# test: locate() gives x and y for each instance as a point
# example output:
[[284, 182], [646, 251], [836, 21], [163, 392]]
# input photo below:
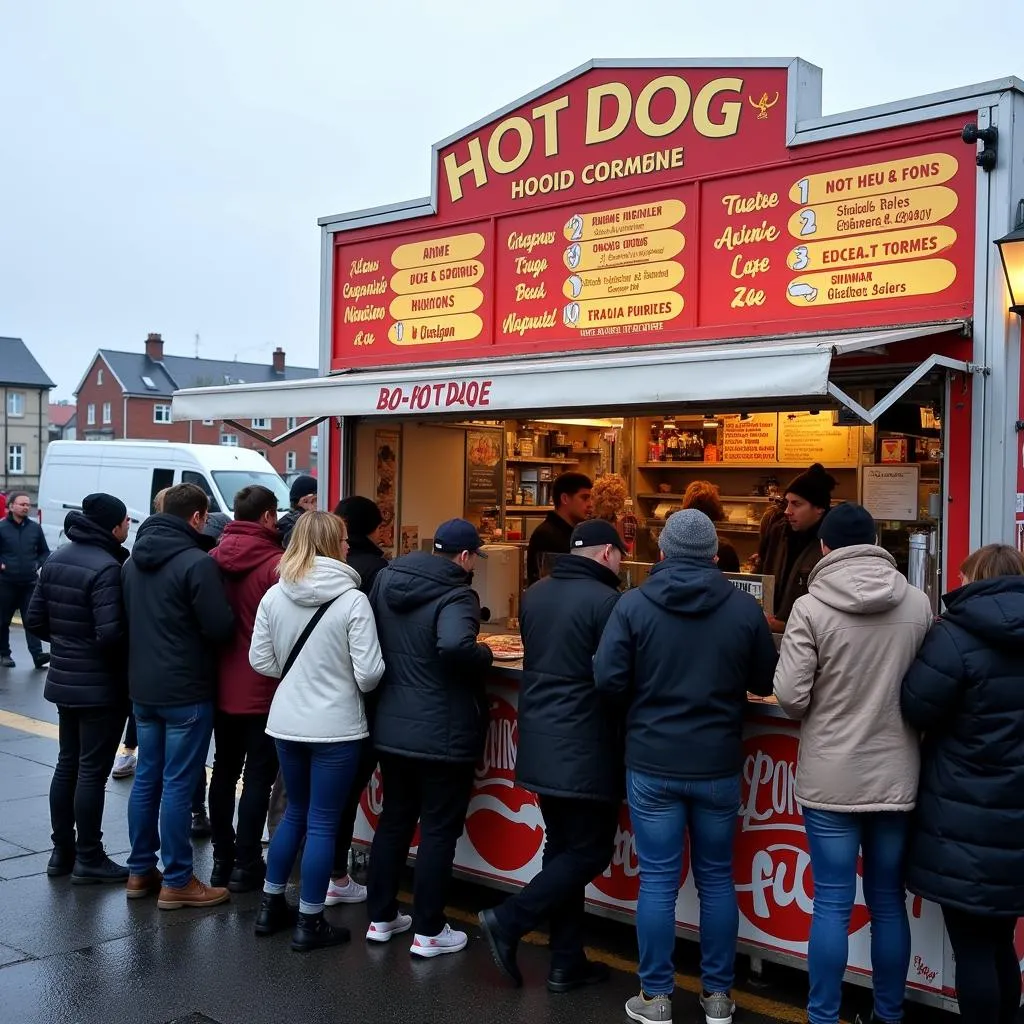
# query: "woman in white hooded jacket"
[[317, 716]]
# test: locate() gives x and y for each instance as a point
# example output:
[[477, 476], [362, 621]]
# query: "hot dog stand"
[[673, 272]]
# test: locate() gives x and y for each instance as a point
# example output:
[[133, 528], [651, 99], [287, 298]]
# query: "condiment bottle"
[[628, 526]]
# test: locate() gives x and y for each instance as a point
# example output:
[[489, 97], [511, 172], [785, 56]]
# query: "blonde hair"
[[703, 496], [992, 560], [315, 533]]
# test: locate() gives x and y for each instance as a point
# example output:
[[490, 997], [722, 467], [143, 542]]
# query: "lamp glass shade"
[[1011, 252]]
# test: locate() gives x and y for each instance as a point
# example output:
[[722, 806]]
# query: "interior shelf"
[[523, 461], [722, 497], [769, 467]]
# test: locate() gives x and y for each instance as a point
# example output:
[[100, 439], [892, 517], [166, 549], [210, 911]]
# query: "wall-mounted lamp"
[[1011, 252], [989, 139]]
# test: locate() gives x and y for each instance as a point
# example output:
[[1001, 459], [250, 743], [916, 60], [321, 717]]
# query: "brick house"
[[24, 417], [128, 395], [63, 416]]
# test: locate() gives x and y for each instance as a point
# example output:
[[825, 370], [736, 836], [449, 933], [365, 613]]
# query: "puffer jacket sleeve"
[[765, 658], [933, 684], [613, 663], [458, 625], [262, 656], [108, 607], [210, 602], [798, 662], [363, 646], [38, 621], [42, 548]]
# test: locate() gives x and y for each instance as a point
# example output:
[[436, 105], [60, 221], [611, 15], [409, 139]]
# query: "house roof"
[[177, 372], [61, 415], [19, 366]]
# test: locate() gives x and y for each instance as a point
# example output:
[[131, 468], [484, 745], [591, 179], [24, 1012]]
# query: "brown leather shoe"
[[140, 886], [195, 894]]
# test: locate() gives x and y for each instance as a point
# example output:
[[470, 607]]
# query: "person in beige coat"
[[848, 643]]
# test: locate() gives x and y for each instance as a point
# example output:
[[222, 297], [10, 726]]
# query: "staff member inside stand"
[[792, 548], [571, 497]]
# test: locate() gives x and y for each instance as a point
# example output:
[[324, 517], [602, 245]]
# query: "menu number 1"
[[808, 222]]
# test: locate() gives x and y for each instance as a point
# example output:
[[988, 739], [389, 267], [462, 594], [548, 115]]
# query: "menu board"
[[753, 438], [590, 271], [806, 437], [891, 492], [483, 468]]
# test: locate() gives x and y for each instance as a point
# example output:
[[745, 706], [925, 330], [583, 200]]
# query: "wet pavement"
[[79, 955]]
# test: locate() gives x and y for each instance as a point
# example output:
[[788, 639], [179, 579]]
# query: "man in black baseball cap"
[[569, 754], [429, 730]]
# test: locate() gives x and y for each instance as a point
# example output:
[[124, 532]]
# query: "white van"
[[135, 471]]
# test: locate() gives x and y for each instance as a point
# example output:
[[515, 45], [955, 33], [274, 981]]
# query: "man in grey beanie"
[[680, 653]]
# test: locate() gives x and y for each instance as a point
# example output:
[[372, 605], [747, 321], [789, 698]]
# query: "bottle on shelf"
[[671, 444], [655, 448], [628, 526]]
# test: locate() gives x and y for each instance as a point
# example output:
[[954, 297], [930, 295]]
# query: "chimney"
[[279, 360], [155, 347]]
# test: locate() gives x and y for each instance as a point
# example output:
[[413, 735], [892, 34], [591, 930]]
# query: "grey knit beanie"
[[689, 534]]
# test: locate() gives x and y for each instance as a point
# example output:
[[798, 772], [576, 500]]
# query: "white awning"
[[752, 370]]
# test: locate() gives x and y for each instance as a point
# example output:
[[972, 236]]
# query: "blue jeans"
[[662, 811], [317, 779], [173, 744], [834, 841]]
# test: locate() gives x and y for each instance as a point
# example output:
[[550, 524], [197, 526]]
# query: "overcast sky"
[[164, 164]]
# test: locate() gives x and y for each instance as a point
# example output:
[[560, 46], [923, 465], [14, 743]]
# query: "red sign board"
[[657, 206]]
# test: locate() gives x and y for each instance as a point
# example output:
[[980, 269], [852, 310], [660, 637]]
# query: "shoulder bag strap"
[[305, 635]]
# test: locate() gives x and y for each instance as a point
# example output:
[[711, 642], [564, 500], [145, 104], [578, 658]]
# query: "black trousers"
[[435, 793], [343, 837], [987, 971], [243, 751], [88, 740], [579, 842], [14, 597]]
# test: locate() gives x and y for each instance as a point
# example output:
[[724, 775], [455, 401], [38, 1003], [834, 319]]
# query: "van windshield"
[[230, 482]]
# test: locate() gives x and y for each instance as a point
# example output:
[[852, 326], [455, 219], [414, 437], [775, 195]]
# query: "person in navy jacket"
[[23, 549]]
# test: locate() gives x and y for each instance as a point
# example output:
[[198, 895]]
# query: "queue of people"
[[319, 659]]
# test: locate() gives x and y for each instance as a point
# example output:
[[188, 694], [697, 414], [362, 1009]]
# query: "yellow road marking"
[[782, 1012]]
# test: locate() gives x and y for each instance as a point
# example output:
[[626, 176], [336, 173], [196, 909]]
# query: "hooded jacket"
[[965, 692], [681, 651], [367, 559], [286, 524], [847, 645], [777, 545], [178, 614], [320, 700], [248, 556], [569, 735], [77, 608], [432, 703], [23, 549]]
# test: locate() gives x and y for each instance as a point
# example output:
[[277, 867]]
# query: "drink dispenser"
[[920, 563], [496, 581]]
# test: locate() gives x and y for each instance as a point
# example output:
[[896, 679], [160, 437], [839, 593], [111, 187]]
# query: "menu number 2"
[[808, 222]]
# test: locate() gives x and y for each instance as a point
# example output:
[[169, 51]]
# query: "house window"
[[90, 415], [207, 423], [314, 444], [229, 440], [161, 414], [15, 403], [15, 459], [292, 423], [261, 424], [106, 413], [99, 377], [290, 461]]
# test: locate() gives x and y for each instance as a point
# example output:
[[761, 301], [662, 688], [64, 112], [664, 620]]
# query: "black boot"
[[102, 871], [274, 915], [503, 947], [222, 868], [201, 825], [42, 661], [313, 932], [62, 862], [248, 877]]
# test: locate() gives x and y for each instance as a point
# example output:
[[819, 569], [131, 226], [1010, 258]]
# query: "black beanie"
[[104, 510], [814, 485], [846, 525], [302, 487], [361, 515]]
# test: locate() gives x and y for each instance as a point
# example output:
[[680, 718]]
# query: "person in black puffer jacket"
[[965, 692], [569, 753], [77, 608], [178, 619], [23, 550], [429, 729], [680, 652], [302, 495]]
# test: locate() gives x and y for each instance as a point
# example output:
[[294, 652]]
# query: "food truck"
[[675, 271]]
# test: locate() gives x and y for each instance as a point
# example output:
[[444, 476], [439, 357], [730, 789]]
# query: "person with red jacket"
[[248, 555]]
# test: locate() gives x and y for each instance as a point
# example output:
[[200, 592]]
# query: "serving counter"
[[503, 842]]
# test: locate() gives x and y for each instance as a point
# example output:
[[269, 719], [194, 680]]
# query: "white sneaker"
[[350, 892], [381, 931], [124, 766], [449, 941]]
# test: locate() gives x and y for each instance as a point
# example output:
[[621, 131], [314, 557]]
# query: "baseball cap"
[[595, 533], [458, 535]]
